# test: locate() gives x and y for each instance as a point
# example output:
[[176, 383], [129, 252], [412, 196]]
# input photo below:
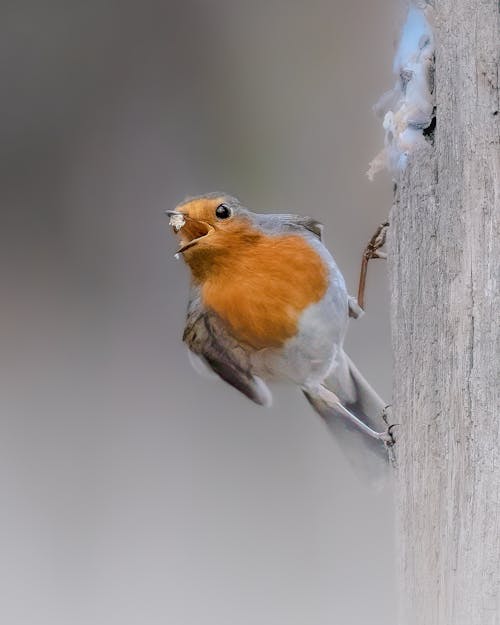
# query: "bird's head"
[[211, 228]]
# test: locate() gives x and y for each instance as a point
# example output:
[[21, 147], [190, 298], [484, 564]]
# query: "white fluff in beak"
[[177, 221]]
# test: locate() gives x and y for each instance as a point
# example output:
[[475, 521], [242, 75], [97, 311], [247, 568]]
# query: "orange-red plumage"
[[258, 284], [261, 291]]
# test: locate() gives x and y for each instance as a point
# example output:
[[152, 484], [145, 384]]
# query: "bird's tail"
[[355, 394]]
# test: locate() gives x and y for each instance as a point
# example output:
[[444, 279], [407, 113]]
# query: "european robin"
[[268, 302]]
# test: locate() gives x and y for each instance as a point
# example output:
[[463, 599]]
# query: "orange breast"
[[261, 290]]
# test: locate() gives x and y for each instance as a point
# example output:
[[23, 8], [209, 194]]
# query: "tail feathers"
[[367, 455]]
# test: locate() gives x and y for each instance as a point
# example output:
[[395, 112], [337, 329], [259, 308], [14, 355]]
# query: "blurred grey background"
[[133, 491]]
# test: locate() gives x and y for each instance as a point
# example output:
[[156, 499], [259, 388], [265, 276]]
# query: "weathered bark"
[[444, 250]]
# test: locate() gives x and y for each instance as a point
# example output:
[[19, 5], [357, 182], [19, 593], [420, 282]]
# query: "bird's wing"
[[308, 223], [278, 222], [206, 336]]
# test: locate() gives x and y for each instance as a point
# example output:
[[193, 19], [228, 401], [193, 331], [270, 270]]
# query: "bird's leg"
[[331, 399], [372, 251]]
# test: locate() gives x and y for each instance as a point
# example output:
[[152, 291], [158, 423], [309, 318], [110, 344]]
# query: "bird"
[[267, 302]]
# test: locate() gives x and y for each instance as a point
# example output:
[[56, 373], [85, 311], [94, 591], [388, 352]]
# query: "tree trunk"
[[444, 250]]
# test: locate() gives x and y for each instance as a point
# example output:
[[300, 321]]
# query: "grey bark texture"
[[444, 246]]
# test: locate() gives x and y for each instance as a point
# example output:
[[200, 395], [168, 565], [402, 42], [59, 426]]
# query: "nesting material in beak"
[[177, 221]]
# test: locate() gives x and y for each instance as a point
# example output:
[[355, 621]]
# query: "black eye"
[[223, 212]]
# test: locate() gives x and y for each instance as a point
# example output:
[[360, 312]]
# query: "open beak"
[[190, 230]]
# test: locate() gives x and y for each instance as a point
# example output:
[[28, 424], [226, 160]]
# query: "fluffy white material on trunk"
[[407, 109]]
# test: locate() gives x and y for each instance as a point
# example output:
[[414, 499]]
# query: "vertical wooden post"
[[444, 245]]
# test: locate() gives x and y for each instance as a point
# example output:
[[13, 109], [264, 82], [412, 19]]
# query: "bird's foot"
[[388, 437], [376, 242]]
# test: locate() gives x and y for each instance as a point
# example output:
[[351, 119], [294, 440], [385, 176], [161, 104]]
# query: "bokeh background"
[[132, 490]]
